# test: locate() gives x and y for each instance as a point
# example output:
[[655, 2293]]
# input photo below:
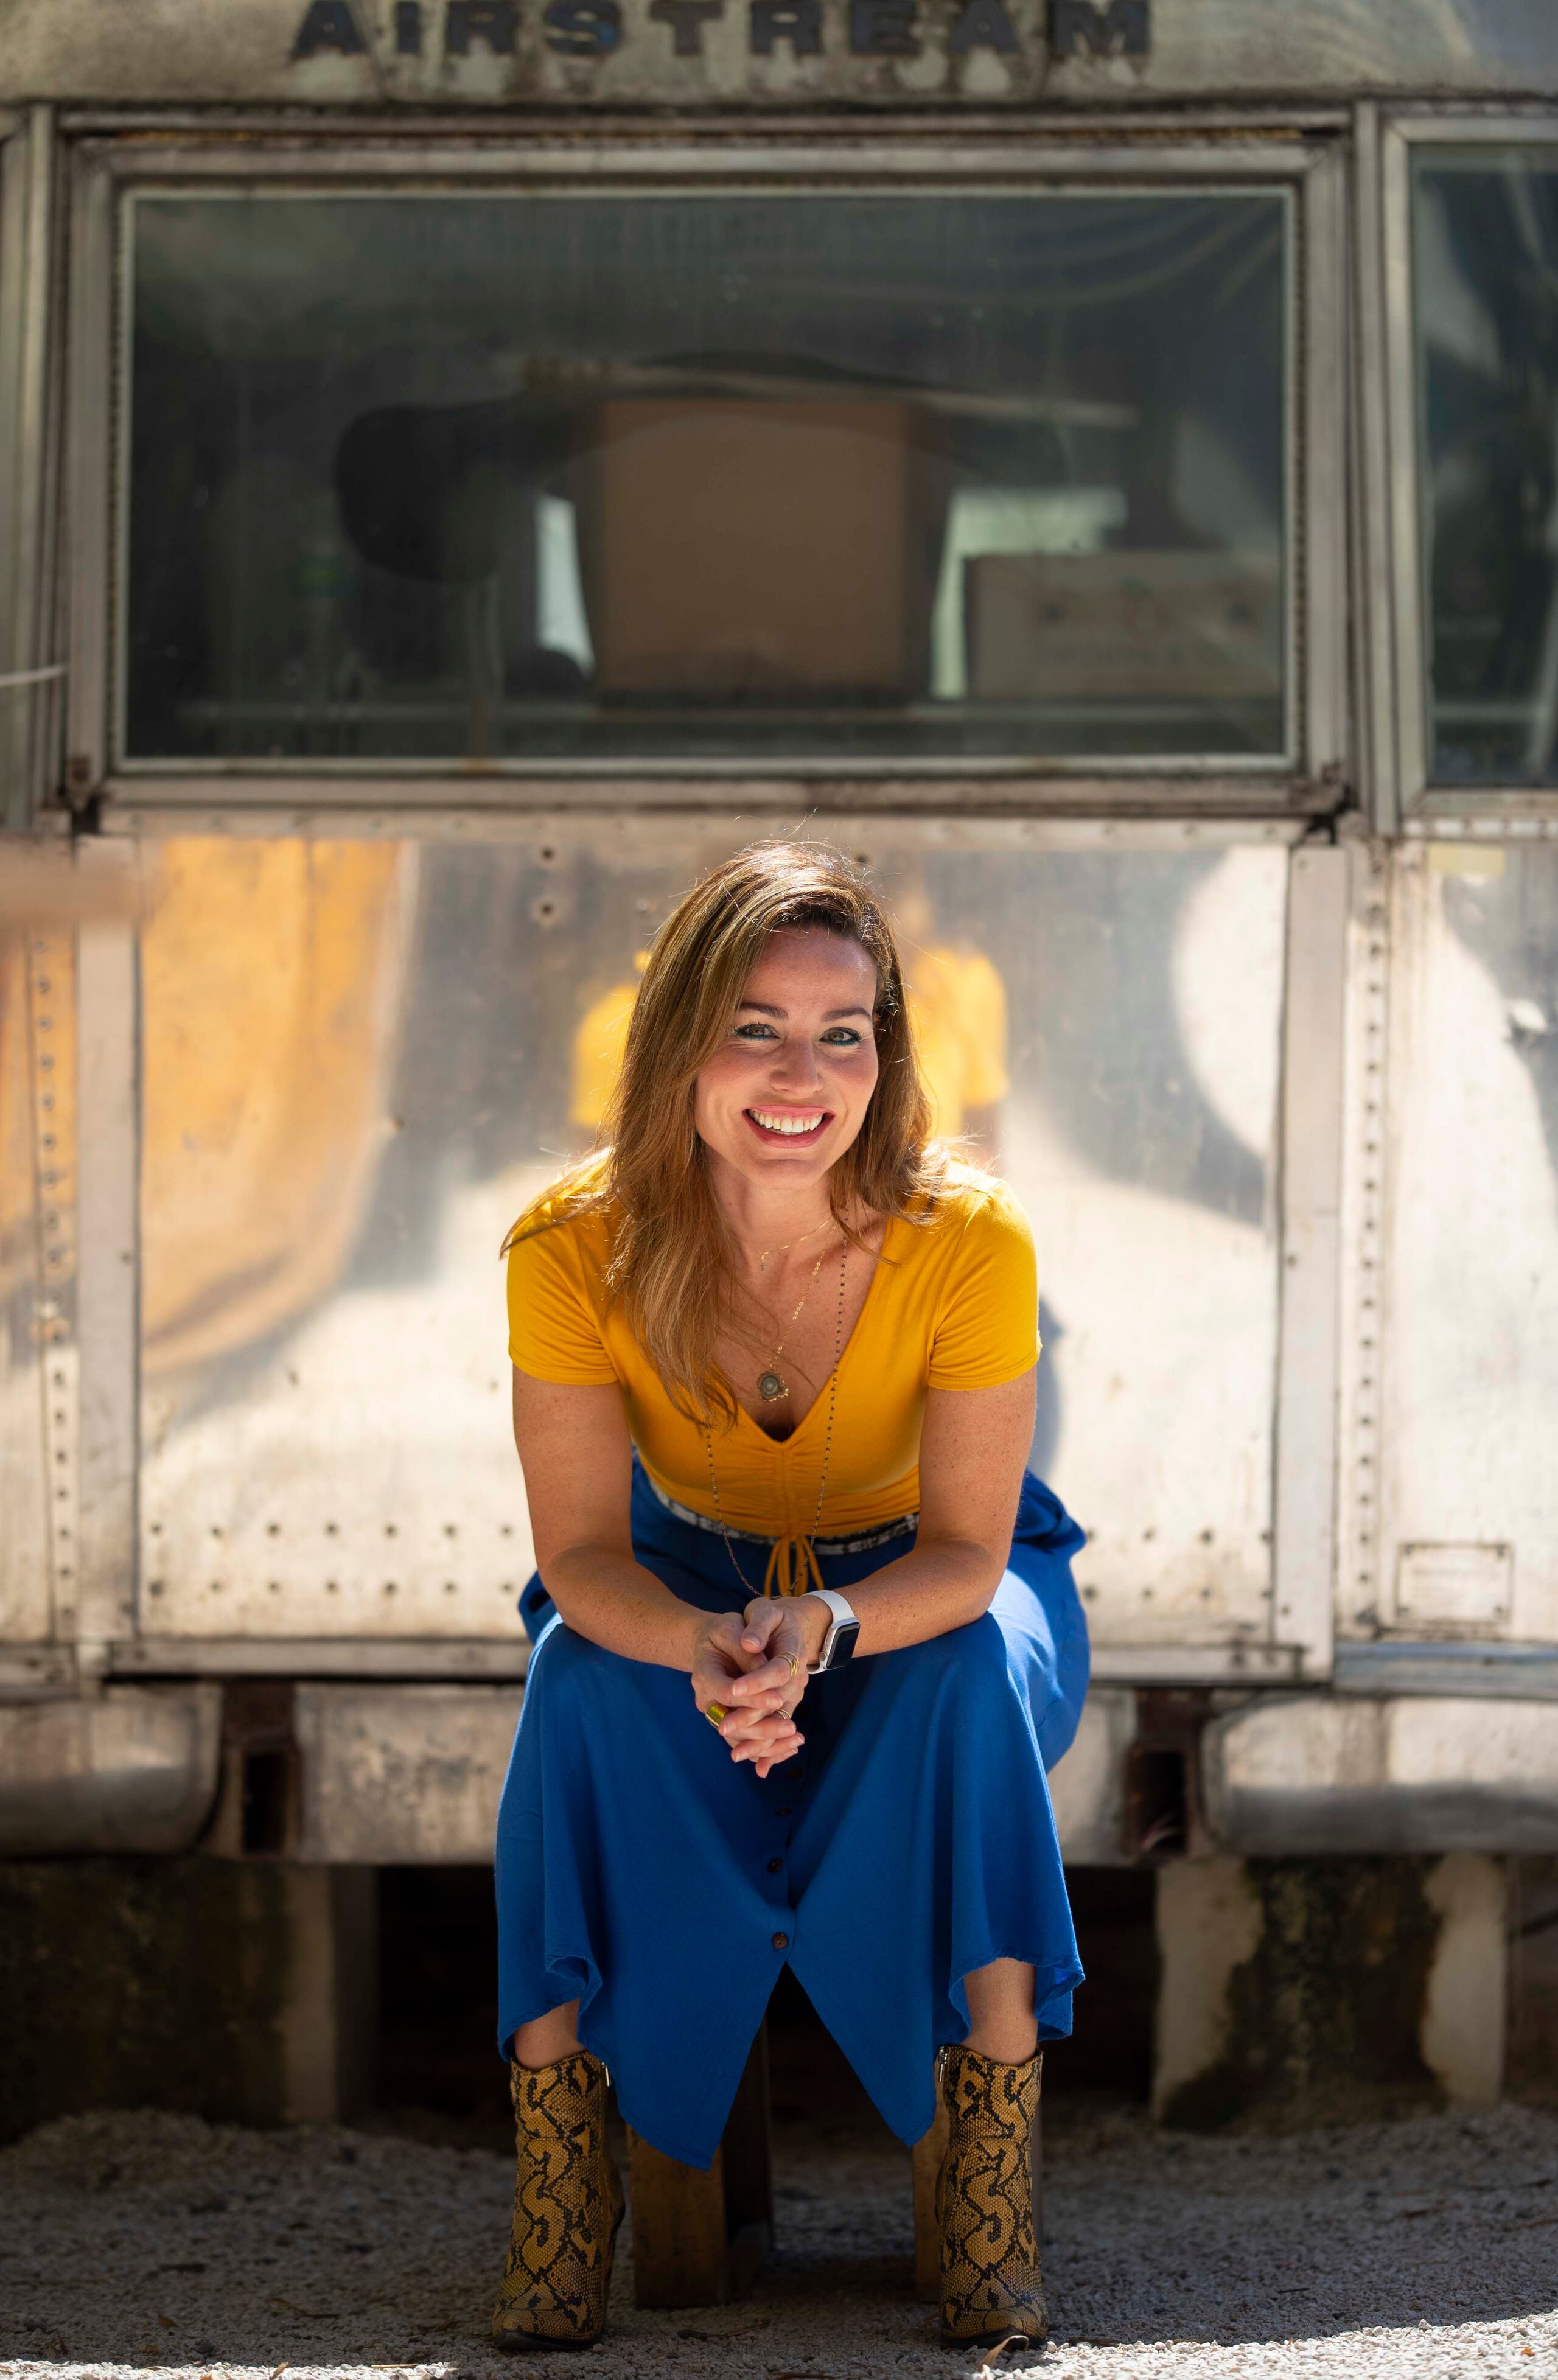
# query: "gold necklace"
[[772, 1384], [785, 1246], [792, 1566]]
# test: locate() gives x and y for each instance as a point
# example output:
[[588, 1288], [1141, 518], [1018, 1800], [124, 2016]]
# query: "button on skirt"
[[645, 1873]]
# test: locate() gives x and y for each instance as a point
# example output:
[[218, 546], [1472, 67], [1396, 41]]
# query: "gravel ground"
[[136, 2243]]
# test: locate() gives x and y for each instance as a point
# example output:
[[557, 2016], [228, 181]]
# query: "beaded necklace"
[[792, 1565]]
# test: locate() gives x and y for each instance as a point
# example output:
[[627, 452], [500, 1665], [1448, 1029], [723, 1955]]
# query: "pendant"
[[769, 1387]]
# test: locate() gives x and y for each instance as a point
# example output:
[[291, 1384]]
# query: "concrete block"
[[1303, 1992], [1210, 1925], [1466, 1997]]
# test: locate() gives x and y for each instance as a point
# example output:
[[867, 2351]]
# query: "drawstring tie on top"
[[792, 1567]]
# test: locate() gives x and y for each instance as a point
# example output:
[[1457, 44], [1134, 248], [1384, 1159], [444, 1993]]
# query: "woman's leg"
[[547, 2038], [1001, 2024]]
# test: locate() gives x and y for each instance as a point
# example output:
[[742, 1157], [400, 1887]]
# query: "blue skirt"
[[643, 1873]]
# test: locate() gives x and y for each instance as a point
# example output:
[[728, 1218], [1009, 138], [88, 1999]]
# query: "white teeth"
[[788, 1125]]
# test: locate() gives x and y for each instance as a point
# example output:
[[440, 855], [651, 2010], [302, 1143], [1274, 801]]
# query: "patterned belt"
[[824, 1546]]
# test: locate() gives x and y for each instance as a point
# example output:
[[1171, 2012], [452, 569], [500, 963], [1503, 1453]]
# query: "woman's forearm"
[[614, 1601], [939, 1587]]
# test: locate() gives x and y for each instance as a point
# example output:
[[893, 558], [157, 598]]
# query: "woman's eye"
[[756, 1032], [842, 1036]]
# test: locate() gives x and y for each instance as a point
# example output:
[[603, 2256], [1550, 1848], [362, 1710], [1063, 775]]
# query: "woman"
[[774, 1378]]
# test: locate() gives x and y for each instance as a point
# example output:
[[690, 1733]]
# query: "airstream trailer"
[[465, 464]]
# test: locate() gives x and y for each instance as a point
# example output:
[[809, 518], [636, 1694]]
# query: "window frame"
[[1409, 789], [1307, 777], [31, 709]]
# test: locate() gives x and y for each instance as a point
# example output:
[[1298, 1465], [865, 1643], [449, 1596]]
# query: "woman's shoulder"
[[972, 1208], [559, 1295], [573, 1224]]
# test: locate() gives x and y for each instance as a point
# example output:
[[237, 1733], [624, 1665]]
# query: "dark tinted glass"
[[718, 477], [1485, 240]]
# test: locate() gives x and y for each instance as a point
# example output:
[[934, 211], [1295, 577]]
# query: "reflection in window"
[[724, 476], [1485, 235]]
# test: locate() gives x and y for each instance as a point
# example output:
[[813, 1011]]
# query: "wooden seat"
[[699, 2237]]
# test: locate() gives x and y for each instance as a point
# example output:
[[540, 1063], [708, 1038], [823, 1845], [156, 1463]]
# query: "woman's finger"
[[761, 1619], [774, 1677], [778, 1747], [771, 1759], [738, 1726]]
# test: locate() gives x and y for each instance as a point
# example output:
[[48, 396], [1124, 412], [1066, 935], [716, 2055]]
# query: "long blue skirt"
[[645, 1873]]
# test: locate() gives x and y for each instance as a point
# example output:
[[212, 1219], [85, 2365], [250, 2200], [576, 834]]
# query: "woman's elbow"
[[984, 1567]]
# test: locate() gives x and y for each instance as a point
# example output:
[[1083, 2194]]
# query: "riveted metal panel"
[[109, 1278], [325, 1433], [1311, 1161], [1467, 1535], [26, 1325]]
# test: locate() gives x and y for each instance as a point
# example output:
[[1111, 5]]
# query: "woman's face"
[[786, 1093]]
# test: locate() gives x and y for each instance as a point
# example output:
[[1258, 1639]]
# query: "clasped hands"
[[754, 1663]]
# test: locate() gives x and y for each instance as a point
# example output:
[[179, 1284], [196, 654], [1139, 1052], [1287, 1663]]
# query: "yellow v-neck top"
[[952, 1304]]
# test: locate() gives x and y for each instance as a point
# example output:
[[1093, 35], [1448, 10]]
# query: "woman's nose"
[[795, 1067]]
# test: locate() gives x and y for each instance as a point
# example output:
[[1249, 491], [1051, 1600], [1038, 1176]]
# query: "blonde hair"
[[670, 1261]]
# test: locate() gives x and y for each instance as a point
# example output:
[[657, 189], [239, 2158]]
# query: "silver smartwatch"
[[843, 1629]]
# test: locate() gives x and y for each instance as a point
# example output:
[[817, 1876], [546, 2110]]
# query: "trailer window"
[[1485, 241], [718, 477]]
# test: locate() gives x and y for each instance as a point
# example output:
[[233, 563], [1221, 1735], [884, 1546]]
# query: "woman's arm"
[[577, 1457], [578, 1461], [973, 1450]]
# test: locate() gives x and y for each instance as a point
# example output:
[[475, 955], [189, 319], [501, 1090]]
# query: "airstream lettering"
[[592, 27]]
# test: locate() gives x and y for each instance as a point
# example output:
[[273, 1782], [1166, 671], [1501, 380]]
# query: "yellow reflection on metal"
[[1466, 859], [272, 982]]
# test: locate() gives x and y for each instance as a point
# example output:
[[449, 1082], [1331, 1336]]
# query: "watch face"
[[841, 1641]]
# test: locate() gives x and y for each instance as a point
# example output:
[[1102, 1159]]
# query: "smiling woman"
[[774, 1325]]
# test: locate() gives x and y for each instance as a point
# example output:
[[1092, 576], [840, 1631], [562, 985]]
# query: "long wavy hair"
[[670, 1260]]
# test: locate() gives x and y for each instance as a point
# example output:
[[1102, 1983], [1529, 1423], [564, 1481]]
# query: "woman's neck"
[[760, 1215]]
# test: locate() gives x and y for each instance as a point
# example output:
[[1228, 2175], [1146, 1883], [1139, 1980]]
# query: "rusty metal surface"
[[1076, 51], [1427, 1773], [133, 1769]]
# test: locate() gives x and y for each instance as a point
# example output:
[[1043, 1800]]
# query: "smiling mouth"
[[795, 1127]]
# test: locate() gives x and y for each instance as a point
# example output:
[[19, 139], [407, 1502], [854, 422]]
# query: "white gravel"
[[136, 2243]]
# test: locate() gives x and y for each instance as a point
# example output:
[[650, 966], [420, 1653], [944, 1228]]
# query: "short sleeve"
[[553, 1326], [987, 1321]]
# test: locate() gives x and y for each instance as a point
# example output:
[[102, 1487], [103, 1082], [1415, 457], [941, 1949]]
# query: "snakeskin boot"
[[567, 2204], [990, 2286]]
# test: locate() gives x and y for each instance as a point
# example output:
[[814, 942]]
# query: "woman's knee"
[[969, 1663], [564, 1673]]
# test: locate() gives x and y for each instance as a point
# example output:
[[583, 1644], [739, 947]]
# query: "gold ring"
[[793, 1660], [715, 1712]]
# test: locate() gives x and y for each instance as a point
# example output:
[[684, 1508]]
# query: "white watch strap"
[[842, 1613], [839, 1604]]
